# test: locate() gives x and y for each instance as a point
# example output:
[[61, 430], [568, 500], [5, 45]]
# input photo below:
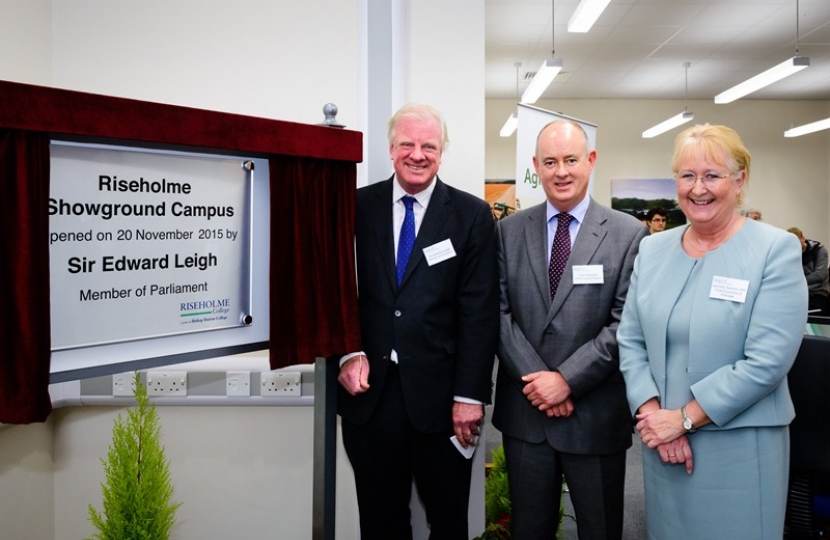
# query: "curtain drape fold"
[[313, 286], [25, 330]]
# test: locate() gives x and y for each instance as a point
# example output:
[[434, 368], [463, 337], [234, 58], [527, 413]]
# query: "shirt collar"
[[578, 212], [423, 197]]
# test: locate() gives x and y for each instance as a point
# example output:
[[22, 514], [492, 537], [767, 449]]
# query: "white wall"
[[26, 482], [449, 74], [240, 472], [279, 59], [789, 180], [275, 59], [26, 39], [284, 59]]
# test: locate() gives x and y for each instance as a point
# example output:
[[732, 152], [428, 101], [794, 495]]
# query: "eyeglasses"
[[689, 178], [569, 163]]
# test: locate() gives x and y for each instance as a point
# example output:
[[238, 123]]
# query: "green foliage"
[[496, 489], [496, 500], [137, 490]]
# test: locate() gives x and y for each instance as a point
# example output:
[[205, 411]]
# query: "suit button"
[[397, 313]]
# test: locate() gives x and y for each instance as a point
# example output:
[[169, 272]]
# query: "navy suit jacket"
[[442, 321]]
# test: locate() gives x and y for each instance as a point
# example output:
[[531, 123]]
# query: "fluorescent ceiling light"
[[808, 128], [675, 120], [542, 79], [666, 125], [774, 74], [509, 126], [586, 14]]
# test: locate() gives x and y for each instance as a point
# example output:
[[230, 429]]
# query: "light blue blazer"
[[739, 352]]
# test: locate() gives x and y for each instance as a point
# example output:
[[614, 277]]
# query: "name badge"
[[439, 252], [588, 274], [724, 288]]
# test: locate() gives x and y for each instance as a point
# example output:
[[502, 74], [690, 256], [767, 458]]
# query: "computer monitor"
[[817, 325]]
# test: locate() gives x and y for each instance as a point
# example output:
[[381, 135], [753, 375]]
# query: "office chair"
[[809, 381]]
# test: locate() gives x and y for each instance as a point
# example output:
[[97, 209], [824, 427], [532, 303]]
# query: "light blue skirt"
[[738, 489]]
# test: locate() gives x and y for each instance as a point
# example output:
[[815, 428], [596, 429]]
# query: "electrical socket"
[[166, 383], [238, 383], [280, 383], [123, 384]]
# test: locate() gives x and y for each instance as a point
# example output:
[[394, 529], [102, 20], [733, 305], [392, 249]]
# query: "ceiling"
[[637, 48]]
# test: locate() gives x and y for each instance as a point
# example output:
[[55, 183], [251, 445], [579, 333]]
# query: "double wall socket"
[[279, 383], [166, 383]]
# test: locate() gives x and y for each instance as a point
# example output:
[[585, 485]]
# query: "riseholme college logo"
[[203, 311]]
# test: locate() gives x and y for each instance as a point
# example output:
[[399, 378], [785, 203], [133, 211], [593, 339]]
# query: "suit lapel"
[[591, 233], [430, 232], [537, 248], [381, 208]]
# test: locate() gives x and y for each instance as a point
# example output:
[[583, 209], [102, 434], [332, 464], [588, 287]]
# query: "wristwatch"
[[688, 425]]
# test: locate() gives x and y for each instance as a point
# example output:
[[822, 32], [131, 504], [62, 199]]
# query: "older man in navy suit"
[[428, 296], [565, 266]]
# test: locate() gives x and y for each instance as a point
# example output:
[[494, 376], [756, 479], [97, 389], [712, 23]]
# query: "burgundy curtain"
[[25, 326], [313, 288], [313, 296]]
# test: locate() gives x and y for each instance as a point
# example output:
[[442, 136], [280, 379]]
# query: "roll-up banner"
[[146, 243], [529, 190]]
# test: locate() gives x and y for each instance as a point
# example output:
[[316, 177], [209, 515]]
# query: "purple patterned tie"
[[560, 252], [407, 237]]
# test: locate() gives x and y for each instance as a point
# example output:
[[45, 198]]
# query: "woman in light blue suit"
[[713, 321]]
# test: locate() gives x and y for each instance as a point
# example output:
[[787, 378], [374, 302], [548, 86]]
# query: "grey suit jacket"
[[574, 335]]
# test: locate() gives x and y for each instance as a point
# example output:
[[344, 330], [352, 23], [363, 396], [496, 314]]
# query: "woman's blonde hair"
[[715, 142]]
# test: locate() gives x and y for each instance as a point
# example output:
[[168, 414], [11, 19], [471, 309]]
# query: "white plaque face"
[[146, 244]]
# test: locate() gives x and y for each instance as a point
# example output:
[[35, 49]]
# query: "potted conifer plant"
[[137, 491]]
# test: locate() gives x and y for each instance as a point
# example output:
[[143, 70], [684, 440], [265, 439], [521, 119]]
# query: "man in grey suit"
[[560, 398]]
